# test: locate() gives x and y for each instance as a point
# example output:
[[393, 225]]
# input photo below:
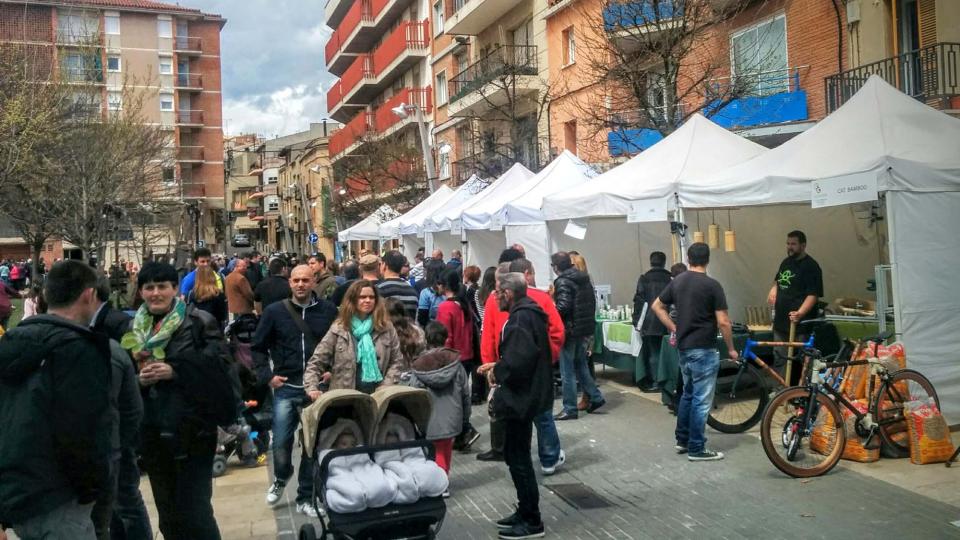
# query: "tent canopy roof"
[[395, 227], [693, 150], [880, 130], [565, 172], [444, 218], [435, 220], [369, 227], [481, 209]]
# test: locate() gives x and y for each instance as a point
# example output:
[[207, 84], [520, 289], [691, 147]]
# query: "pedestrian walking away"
[[287, 335], [702, 310], [649, 287]]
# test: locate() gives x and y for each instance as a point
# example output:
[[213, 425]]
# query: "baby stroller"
[[257, 414], [238, 440], [421, 518]]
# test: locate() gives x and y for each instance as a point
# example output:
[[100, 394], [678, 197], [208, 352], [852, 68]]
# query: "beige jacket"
[[337, 353]]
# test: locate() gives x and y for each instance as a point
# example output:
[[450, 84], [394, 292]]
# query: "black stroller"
[[421, 519]]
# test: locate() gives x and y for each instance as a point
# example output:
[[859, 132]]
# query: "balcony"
[[187, 45], [632, 24], [352, 134], [190, 154], [930, 74], [82, 75], [336, 10], [490, 81], [189, 81], [370, 74], [189, 118], [387, 122], [770, 97], [470, 17], [362, 26], [193, 189], [633, 131]]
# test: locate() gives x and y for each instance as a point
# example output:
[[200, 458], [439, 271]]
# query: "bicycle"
[[791, 417]]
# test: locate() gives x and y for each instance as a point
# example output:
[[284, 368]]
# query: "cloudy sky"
[[274, 79]]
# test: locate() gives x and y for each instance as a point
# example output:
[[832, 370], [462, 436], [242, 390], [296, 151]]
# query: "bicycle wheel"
[[800, 445], [902, 386], [739, 399]]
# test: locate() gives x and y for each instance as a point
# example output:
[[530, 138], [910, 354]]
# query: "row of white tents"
[[902, 154]]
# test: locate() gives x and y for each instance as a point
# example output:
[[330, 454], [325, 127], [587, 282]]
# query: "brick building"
[[168, 52]]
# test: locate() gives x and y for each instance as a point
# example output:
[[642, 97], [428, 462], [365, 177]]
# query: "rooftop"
[[146, 5]]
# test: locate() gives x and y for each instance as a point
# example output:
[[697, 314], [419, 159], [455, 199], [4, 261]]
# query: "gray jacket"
[[439, 371]]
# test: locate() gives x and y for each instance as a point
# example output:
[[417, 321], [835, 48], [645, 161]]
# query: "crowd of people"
[[91, 396]]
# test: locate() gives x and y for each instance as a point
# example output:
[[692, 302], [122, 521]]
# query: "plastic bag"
[[929, 434]]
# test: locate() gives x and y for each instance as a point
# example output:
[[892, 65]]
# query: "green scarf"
[[145, 337], [366, 353]]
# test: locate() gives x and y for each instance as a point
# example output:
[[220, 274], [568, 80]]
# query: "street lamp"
[[403, 111]]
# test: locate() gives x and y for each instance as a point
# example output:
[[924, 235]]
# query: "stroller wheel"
[[219, 466], [307, 532]]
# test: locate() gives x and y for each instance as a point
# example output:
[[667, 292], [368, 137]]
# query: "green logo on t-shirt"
[[785, 279]]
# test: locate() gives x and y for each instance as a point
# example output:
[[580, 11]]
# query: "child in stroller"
[[384, 487]]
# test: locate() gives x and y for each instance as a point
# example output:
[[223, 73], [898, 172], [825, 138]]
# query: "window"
[[273, 203], [111, 24], [441, 88], [438, 17], [166, 102], [444, 166], [464, 141], [113, 63], [758, 57], [164, 28], [460, 60], [271, 179], [168, 175], [569, 47], [78, 67], [114, 100], [570, 136], [166, 66], [77, 28]]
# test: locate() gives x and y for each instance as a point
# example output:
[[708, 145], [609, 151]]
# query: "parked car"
[[241, 240]]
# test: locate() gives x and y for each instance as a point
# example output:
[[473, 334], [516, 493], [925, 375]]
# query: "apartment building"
[[306, 180], [165, 54], [379, 51], [490, 73]]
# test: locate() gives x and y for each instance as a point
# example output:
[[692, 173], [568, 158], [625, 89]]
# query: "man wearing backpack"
[[649, 287], [288, 333]]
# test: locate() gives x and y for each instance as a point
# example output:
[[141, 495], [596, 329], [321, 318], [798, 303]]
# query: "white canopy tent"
[[429, 225], [884, 142], [519, 212], [369, 227], [395, 227]]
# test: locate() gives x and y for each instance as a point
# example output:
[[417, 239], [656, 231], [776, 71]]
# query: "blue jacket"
[[279, 336]]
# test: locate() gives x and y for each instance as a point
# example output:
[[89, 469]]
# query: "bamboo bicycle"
[[788, 424]]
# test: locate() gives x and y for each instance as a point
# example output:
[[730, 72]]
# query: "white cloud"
[[287, 110]]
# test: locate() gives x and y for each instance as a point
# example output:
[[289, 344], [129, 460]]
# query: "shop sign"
[[854, 188], [576, 229], [456, 227], [645, 211]]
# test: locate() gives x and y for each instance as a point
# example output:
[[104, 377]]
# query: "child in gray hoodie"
[[438, 370]]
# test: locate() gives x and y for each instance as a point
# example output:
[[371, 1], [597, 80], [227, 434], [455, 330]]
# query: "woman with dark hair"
[[361, 351], [430, 297], [455, 315], [487, 285], [471, 280], [181, 357], [208, 296], [412, 340]]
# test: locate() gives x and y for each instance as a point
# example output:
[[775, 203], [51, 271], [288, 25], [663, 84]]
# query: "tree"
[[651, 64], [388, 171]]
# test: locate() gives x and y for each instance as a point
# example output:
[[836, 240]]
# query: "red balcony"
[[369, 75], [385, 118], [361, 27], [361, 12], [353, 131]]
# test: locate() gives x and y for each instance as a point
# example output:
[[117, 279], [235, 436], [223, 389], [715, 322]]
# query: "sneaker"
[[508, 522], [705, 455], [547, 471], [680, 448], [522, 530], [490, 455], [469, 438], [446, 493], [275, 492], [307, 509]]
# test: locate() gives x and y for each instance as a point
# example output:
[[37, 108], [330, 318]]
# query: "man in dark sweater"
[[394, 286], [525, 390], [289, 331], [649, 287], [275, 288]]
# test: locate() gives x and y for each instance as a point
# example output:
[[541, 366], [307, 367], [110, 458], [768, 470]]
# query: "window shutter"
[[927, 17]]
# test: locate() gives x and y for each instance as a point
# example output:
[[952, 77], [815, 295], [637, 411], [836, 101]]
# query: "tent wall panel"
[[535, 240], [484, 247], [446, 242], [922, 238], [411, 244]]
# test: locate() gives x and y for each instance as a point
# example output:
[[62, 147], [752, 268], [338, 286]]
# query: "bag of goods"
[[929, 434], [824, 434], [854, 385]]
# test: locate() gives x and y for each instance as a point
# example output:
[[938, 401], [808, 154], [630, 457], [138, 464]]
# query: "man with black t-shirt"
[[796, 288], [701, 310]]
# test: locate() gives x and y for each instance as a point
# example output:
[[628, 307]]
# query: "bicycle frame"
[[817, 384], [749, 356]]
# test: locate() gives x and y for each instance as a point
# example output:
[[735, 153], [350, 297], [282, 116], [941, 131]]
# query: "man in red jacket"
[[548, 440]]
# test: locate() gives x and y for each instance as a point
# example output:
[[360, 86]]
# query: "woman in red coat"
[[455, 315]]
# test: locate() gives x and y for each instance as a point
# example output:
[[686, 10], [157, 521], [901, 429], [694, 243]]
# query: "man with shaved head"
[[287, 334]]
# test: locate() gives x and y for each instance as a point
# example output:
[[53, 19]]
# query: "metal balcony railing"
[[361, 11], [187, 44], [385, 118], [189, 117], [504, 61], [86, 75], [189, 80], [930, 74], [360, 126]]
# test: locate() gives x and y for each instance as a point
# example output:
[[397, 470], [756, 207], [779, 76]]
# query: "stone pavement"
[[625, 454]]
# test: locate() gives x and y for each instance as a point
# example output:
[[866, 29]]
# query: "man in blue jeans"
[[289, 332], [701, 309]]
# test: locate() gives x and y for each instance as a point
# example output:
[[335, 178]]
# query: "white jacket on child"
[[414, 475], [354, 483]]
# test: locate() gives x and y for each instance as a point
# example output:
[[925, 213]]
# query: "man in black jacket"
[[577, 305], [275, 288], [55, 420], [649, 287], [525, 390], [289, 331]]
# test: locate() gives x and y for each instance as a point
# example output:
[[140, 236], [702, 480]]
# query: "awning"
[[243, 222]]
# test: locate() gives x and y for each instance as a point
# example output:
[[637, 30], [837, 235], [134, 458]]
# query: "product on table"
[[929, 434]]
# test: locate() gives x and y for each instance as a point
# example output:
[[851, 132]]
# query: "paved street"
[[626, 455]]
